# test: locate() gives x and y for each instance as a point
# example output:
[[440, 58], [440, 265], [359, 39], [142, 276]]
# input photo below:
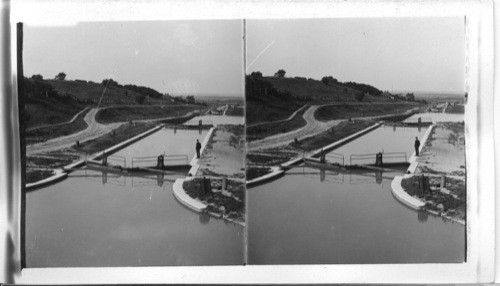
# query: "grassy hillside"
[[126, 113], [331, 112], [265, 103], [316, 90], [91, 92], [273, 98]]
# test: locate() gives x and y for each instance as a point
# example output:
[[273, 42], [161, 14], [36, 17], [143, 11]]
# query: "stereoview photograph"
[[134, 144], [356, 146], [233, 142]]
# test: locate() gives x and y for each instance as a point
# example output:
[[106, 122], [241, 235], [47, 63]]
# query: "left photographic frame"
[[132, 143]]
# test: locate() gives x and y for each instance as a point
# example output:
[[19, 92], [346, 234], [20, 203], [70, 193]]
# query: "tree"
[[109, 82], [256, 74], [410, 97], [280, 73], [325, 80], [190, 99], [60, 76], [37, 77], [359, 96], [140, 98]]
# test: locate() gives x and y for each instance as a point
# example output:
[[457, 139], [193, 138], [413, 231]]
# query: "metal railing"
[[335, 158], [387, 156], [176, 158], [118, 159], [166, 158], [415, 120]]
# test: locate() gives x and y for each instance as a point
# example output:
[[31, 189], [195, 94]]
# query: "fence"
[[389, 157], [153, 160], [415, 120], [117, 160], [334, 158]]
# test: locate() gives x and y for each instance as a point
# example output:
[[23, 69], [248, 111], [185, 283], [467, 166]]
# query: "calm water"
[[317, 217], [126, 221], [383, 139], [436, 117], [217, 120], [166, 140], [346, 219]]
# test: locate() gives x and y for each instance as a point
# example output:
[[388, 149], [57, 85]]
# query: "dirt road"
[[312, 127], [93, 130]]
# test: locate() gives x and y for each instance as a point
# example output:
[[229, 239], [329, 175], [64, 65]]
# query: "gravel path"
[[93, 130], [312, 127]]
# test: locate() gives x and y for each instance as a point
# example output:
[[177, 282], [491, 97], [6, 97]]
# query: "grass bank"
[[236, 111], [47, 133], [457, 108], [127, 113], [37, 175], [255, 172], [450, 200], [120, 134], [271, 157], [262, 131], [344, 111], [229, 202], [338, 132]]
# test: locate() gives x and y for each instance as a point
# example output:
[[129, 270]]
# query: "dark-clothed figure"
[[198, 148], [417, 145]]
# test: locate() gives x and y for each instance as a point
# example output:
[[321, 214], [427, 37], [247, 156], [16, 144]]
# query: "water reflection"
[[81, 222], [136, 179], [422, 216], [204, 218], [327, 223]]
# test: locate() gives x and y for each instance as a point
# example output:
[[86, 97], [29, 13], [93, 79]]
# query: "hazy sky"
[[198, 57], [408, 54]]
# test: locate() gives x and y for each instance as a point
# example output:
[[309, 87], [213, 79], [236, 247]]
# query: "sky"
[[394, 54], [176, 57]]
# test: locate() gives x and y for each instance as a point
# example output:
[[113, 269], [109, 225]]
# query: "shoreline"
[[400, 193]]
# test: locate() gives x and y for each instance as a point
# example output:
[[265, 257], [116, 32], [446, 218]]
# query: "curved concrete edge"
[[195, 205], [59, 175], [185, 199], [404, 197], [413, 158], [276, 173], [194, 162]]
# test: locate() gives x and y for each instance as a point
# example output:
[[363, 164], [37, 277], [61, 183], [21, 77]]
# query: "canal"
[[102, 219], [217, 120], [322, 217]]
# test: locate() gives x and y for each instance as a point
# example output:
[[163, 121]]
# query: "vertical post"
[[443, 181], [378, 159], [224, 183], [104, 158]]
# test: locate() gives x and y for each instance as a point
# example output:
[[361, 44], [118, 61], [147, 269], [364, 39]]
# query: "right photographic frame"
[[356, 140]]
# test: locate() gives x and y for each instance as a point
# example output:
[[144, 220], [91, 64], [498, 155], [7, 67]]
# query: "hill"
[[275, 98], [57, 101]]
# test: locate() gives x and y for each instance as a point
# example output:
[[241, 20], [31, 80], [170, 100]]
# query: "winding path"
[[93, 130], [311, 128]]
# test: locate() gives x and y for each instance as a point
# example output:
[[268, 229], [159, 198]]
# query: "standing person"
[[198, 148], [417, 145]]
